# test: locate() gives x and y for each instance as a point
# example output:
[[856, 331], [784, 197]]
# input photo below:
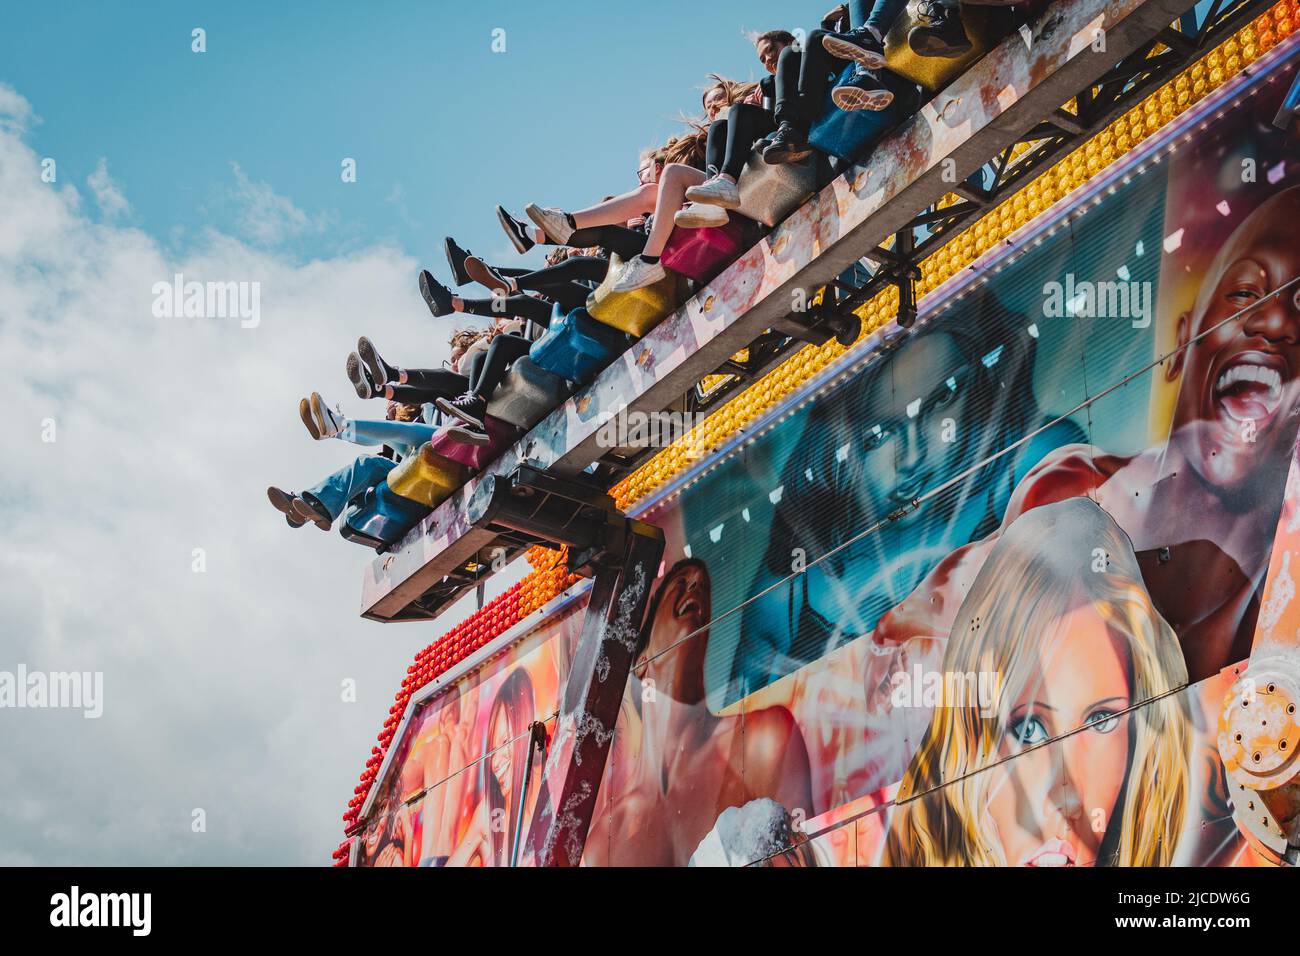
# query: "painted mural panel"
[[1023, 494], [458, 778]]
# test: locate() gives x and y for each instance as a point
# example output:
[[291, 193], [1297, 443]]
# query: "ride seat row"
[[580, 344]]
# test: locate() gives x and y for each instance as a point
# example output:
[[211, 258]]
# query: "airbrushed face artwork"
[[1238, 398], [1104, 564], [1042, 782], [1043, 807]]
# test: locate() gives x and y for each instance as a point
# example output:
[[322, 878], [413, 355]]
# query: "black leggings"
[[503, 350], [430, 384], [732, 138], [815, 73], [563, 282], [620, 240], [526, 307]]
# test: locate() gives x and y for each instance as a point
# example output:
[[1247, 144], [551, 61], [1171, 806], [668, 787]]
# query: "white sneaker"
[[551, 221], [718, 191], [700, 215], [637, 274], [328, 422]]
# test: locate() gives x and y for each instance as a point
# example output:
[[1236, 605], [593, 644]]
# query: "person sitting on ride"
[[645, 268], [615, 223], [514, 309], [401, 431], [470, 408], [373, 377], [569, 275], [328, 499], [561, 228], [852, 32], [507, 340], [732, 136]]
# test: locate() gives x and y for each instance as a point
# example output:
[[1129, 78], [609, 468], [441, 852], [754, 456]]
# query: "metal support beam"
[[509, 513], [905, 278], [593, 693]]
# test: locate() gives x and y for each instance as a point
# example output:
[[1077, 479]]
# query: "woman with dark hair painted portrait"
[[932, 411], [491, 835]]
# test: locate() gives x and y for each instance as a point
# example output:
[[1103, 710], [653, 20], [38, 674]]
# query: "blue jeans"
[[404, 437], [878, 14], [349, 481]]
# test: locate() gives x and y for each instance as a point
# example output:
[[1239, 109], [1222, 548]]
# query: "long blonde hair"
[[734, 90], [1041, 568], [688, 149]]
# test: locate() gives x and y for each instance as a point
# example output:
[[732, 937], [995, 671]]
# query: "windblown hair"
[[687, 149], [1039, 570], [401, 412], [464, 338], [734, 90]]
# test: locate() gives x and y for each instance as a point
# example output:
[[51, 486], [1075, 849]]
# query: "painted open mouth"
[[690, 604], [1249, 387], [1055, 853]]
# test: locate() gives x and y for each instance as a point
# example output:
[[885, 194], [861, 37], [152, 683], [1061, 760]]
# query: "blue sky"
[[441, 127]]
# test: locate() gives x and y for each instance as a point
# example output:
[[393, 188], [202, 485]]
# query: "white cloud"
[[108, 195], [266, 217], [222, 689], [15, 111]]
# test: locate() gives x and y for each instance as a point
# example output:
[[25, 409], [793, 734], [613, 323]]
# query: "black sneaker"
[[380, 372], [360, 378], [941, 35], [309, 506], [468, 435], [516, 230], [469, 408], [456, 257], [859, 45], [787, 145], [436, 295]]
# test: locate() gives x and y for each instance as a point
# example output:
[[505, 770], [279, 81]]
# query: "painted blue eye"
[[1028, 730], [1103, 721]]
